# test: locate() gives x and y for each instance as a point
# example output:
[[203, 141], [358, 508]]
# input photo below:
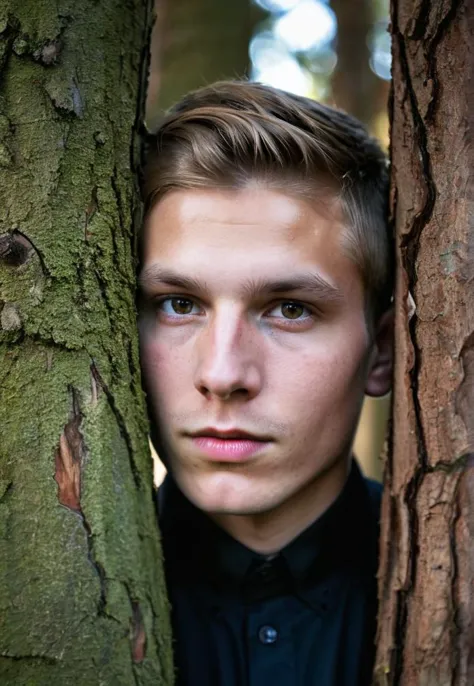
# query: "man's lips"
[[229, 445], [230, 433]]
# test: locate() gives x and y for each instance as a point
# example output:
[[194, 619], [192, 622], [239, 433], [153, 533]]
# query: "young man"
[[266, 280]]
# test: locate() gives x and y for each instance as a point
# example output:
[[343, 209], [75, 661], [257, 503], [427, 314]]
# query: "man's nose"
[[228, 358]]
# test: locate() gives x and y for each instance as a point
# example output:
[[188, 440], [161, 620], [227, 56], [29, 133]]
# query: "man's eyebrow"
[[309, 282], [154, 275]]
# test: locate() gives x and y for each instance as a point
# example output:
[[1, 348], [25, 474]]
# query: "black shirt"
[[305, 617]]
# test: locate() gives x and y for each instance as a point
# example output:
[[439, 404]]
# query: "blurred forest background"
[[336, 51]]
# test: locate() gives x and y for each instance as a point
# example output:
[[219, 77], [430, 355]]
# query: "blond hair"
[[233, 133]]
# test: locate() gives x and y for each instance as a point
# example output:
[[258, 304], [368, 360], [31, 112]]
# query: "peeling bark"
[[82, 592], [426, 586], [68, 463], [138, 634]]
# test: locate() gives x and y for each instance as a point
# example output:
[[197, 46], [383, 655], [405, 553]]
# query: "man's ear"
[[379, 380]]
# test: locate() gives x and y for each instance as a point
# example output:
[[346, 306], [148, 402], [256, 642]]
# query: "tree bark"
[[82, 597], [198, 42], [426, 624]]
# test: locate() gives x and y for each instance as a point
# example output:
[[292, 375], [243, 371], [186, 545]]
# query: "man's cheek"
[[152, 369], [162, 370]]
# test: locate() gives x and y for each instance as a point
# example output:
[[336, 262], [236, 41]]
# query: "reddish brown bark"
[[426, 627], [68, 462], [138, 635]]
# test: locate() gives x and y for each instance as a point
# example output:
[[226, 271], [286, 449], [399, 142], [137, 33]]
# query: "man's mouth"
[[228, 445], [225, 434]]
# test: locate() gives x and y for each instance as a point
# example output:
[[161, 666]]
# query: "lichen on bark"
[[82, 595]]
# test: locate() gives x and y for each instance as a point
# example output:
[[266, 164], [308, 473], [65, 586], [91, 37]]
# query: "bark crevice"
[[121, 423]]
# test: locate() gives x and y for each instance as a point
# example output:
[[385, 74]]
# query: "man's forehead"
[[239, 220], [240, 207], [245, 242]]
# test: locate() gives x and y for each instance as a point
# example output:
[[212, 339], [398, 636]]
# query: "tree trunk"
[[197, 42], [357, 90], [426, 627], [355, 87], [82, 597]]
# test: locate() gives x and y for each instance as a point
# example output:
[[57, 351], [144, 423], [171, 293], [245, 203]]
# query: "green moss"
[[69, 580]]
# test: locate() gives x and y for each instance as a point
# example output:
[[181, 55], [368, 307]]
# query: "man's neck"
[[269, 532]]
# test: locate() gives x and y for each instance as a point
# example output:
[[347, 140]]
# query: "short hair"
[[232, 133]]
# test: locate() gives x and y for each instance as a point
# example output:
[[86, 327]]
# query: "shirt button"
[[267, 634]]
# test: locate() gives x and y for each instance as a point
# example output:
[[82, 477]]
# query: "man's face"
[[253, 321]]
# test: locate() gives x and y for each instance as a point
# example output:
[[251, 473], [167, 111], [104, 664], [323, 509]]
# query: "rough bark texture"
[[82, 597], [198, 42], [426, 630]]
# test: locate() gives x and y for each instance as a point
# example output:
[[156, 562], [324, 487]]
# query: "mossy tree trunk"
[[82, 597], [426, 635]]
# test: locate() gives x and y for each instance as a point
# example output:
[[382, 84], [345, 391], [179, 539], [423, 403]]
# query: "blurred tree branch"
[[196, 42], [355, 87]]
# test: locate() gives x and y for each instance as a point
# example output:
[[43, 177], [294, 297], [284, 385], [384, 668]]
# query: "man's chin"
[[231, 495], [230, 504]]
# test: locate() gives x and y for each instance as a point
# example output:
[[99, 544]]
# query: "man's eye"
[[177, 306], [290, 310]]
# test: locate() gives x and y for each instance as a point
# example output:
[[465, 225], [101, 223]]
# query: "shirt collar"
[[194, 546]]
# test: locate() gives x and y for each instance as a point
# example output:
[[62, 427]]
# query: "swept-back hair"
[[233, 134]]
